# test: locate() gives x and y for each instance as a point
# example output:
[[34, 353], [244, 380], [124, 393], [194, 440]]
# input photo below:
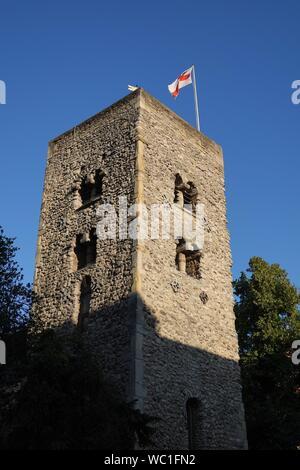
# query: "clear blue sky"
[[63, 61]]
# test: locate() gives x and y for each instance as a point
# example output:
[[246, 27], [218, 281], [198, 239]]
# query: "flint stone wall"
[[156, 343]]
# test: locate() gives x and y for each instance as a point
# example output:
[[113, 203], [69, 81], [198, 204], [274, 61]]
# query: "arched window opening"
[[193, 264], [86, 248], [185, 194], [188, 261], [191, 195], [86, 190], [85, 303], [99, 183], [179, 190], [92, 248], [193, 423], [91, 187]]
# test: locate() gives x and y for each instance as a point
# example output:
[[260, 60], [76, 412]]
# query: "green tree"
[[62, 402], [15, 296], [268, 321], [52, 394]]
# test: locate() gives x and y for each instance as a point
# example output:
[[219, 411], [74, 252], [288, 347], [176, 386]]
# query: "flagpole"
[[196, 100]]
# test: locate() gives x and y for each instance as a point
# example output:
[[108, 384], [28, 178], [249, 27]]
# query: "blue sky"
[[63, 61]]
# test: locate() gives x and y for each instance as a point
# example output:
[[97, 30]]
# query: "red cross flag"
[[183, 80]]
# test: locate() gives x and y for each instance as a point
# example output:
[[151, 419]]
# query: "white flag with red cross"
[[183, 80]]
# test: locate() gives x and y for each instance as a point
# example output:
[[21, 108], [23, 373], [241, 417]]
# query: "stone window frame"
[[193, 417], [86, 255], [84, 304], [185, 194], [89, 178], [186, 197], [188, 261]]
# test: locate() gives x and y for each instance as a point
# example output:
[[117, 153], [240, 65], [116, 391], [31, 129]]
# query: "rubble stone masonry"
[[162, 337]]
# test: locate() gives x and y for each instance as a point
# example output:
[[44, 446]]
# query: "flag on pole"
[[183, 80], [188, 77]]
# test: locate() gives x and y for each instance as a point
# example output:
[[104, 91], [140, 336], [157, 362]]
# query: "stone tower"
[[158, 316]]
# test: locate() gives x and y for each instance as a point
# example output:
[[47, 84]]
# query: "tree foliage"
[[62, 402], [15, 296], [52, 393], [268, 321]]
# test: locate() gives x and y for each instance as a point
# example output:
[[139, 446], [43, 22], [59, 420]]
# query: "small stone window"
[[185, 194], [193, 423], [91, 187], [85, 303], [188, 261], [193, 263], [86, 249]]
